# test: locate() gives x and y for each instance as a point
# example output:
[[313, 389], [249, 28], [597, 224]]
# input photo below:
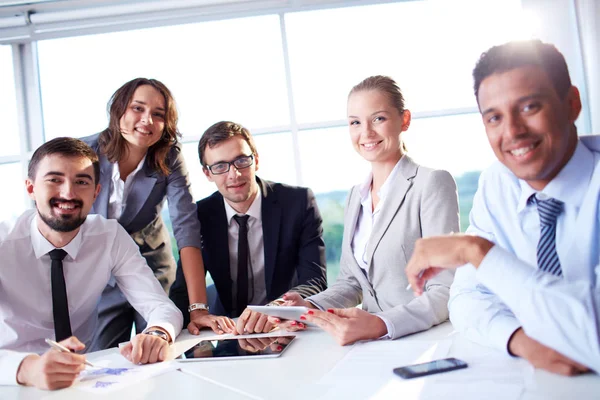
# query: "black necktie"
[[242, 271], [60, 305]]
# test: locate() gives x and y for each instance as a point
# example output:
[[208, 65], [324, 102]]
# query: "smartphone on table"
[[430, 368]]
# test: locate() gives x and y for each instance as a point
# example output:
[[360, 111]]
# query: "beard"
[[62, 223]]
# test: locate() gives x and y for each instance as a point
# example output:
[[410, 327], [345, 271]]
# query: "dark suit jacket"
[[294, 247]]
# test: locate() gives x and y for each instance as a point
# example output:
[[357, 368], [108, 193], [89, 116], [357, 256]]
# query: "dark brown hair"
[[387, 86], [112, 143], [66, 147], [519, 54], [220, 132]]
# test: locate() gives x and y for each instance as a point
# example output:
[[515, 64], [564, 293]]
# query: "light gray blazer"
[[422, 202]]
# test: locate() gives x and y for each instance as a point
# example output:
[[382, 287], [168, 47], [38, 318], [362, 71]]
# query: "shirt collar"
[[116, 174], [41, 245], [365, 187], [571, 183], [254, 211]]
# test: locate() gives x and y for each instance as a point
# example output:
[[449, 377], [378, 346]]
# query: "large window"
[[223, 70], [456, 143], [329, 161], [8, 105], [286, 75], [13, 200], [429, 48]]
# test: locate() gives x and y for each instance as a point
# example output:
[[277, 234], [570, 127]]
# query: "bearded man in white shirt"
[[36, 303]]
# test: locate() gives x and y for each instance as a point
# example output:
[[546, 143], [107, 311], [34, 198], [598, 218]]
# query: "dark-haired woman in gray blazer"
[[397, 204], [141, 165]]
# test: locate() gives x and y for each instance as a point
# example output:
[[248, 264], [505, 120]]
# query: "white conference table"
[[304, 371]]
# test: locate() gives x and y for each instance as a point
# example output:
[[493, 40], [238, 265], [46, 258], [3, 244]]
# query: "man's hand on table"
[[53, 369], [543, 357], [146, 349]]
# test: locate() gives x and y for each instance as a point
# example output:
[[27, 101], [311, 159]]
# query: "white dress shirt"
[[257, 291], [367, 216], [508, 291], [119, 190], [100, 248], [365, 222]]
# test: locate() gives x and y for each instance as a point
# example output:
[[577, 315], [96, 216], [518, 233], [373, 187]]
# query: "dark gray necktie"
[[242, 260], [60, 305]]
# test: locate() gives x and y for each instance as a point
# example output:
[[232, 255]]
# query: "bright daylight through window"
[[236, 69]]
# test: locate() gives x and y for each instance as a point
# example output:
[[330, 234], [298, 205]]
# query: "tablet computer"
[[238, 348], [283, 312]]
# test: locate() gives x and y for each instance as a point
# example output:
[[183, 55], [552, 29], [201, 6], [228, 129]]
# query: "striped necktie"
[[547, 256]]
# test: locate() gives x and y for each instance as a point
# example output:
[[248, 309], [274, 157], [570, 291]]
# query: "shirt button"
[[541, 196]]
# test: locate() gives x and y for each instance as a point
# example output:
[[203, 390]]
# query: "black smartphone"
[[429, 368]]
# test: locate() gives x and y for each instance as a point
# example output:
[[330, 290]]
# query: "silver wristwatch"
[[197, 306], [160, 334]]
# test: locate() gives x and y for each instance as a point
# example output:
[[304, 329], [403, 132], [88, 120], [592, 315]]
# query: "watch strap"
[[198, 306], [158, 333]]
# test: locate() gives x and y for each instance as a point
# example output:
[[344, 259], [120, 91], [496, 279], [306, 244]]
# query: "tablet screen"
[[247, 347]]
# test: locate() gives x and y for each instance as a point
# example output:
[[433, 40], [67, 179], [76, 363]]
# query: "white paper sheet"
[[491, 375], [368, 366], [115, 373], [427, 389]]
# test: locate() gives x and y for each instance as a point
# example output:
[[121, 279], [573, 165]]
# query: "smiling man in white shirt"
[[43, 298], [529, 282]]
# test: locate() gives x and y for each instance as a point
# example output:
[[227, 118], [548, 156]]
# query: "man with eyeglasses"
[[260, 239]]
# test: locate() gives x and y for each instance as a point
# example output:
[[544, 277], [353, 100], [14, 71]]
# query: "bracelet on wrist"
[[198, 306], [276, 302]]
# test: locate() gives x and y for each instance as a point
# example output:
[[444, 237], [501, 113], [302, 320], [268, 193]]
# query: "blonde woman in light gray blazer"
[[397, 204]]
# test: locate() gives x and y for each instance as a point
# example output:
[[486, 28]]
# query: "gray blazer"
[[141, 217], [423, 202]]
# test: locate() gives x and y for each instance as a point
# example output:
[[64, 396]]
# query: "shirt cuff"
[[9, 365], [388, 325], [189, 241], [318, 307]]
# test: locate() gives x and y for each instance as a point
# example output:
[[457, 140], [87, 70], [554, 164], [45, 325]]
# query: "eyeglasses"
[[239, 163]]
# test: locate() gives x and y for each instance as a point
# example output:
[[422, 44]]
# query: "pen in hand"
[[423, 271], [420, 275], [63, 349]]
